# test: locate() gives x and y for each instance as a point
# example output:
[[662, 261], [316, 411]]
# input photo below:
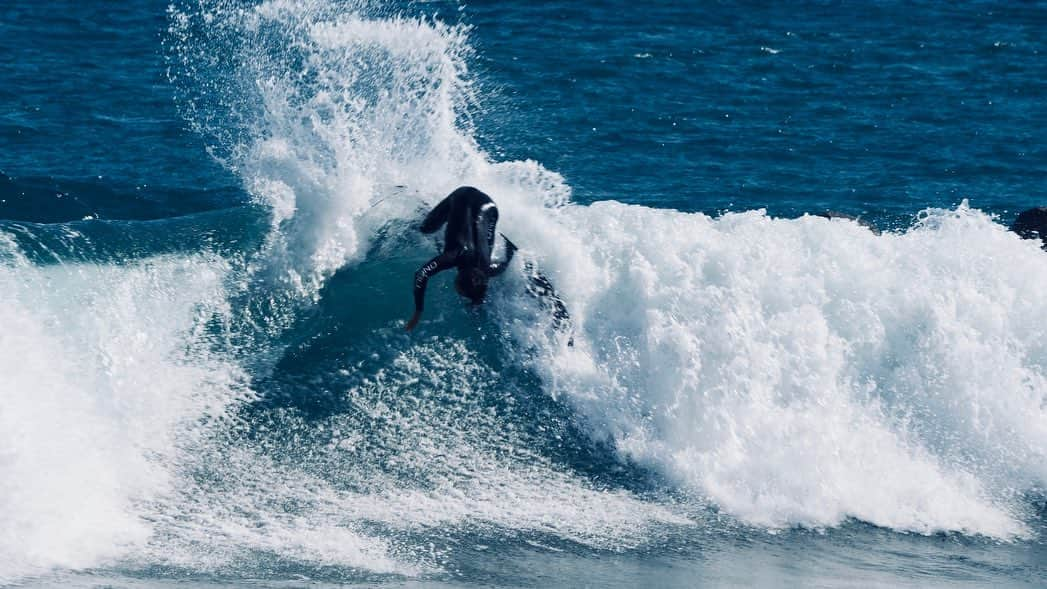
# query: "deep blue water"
[[206, 239], [878, 108]]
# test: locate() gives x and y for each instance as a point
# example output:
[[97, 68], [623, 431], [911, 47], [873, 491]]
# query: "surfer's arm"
[[421, 279], [498, 267]]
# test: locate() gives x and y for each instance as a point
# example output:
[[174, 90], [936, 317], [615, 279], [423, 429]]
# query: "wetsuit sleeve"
[[498, 267], [421, 277], [438, 216]]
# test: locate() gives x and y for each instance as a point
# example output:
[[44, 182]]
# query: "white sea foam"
[[104, 374], [807, 371], [117, 392], [117, 379]]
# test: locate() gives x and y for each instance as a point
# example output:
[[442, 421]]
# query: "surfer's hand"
[[413, 321]]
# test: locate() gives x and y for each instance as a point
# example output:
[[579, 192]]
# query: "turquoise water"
[[207, 241]]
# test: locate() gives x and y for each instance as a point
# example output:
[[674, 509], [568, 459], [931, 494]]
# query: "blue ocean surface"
[[208, 232]]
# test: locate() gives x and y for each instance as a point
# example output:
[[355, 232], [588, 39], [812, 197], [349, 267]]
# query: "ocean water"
[[207, 240]]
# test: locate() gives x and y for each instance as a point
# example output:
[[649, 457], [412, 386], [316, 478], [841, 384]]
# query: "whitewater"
[[231, 408]]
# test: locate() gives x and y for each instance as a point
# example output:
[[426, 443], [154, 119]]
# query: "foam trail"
[[119, 400]]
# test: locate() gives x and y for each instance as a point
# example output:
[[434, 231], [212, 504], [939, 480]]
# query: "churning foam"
[[106, 372], [327, 112], [807, 371]]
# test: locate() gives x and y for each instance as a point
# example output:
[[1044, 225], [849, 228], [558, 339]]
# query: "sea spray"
[[324, 109]]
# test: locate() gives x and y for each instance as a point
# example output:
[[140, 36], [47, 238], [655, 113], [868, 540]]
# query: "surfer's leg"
[[438, 216], [459, 232]]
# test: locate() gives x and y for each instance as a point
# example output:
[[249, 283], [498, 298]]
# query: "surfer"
[[471, 217]]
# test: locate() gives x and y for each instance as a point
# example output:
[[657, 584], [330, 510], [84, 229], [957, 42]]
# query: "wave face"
[[251, 408]]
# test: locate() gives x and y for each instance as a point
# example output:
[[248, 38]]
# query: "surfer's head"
[[471, 284]]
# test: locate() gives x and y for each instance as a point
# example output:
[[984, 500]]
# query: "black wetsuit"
[[471, 217]]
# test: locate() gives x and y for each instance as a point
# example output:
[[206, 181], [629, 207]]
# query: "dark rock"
[[1032, 224], [838, 215]]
